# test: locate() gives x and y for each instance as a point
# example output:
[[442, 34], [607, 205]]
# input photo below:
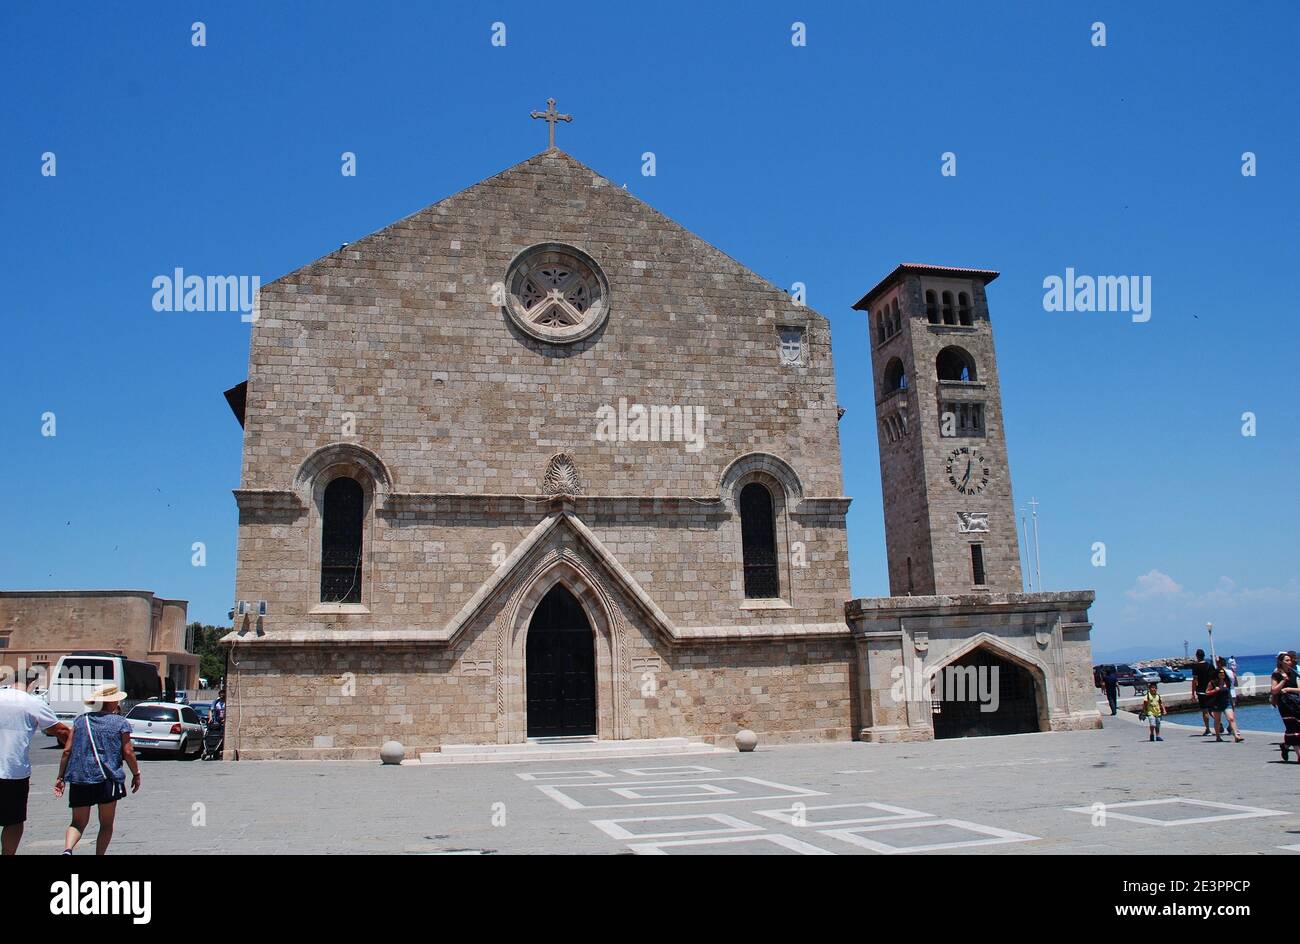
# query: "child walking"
[[1152, 709]]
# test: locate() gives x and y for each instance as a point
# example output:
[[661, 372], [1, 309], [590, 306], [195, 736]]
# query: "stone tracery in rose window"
[[557, 293], [555, 296]]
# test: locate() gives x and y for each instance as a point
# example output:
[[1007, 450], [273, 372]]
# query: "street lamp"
[[1209, 628]]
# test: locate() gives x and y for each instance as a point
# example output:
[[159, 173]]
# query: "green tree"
[[212, 657]]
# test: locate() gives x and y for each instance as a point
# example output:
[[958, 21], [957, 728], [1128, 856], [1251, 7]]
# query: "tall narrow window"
[[931, 307], [963, 309], [895, 377], [949, 313], [340, 546], [909, 576], [977, 564], [758, 541]]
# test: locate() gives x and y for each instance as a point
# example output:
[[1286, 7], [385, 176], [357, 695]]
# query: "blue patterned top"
[[108, 730]]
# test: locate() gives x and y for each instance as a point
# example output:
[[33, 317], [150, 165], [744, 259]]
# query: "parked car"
[[202, 708], [78, 674], [1125, 675], [166, 727], [1149, 675], [1171, 675]]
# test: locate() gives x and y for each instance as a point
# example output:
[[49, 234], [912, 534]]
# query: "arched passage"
[[954, 363], [981, 694], [560, 668]]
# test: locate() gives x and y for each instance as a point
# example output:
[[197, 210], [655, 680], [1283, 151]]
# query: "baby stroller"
[[214, 739]]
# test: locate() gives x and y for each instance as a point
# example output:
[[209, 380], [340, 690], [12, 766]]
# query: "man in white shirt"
[[21, 716]]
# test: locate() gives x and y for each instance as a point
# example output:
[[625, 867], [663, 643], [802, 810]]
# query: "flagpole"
[[1038, 564], [1024, 528]]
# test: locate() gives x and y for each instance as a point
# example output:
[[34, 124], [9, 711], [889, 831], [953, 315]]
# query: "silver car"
[[166, 727]]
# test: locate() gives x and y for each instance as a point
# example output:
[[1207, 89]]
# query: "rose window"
[[557, 293]]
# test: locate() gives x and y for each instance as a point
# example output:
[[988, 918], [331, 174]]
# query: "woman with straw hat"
[[92, 764]]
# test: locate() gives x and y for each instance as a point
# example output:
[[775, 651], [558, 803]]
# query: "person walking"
[[92, 764], [1202, 672], [217, 713], [22, 714], [1152, 709], [1226, 665], [1285, 694], [1111, 681], [1219, 693]]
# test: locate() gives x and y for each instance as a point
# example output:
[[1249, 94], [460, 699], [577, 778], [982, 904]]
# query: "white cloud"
[[1154, 585], [1228, 593], [1158, 612]]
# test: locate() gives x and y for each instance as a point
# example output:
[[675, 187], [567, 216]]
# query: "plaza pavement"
[[1011, 795]]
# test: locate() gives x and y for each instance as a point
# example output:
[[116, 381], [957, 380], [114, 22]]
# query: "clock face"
[[968, 470]]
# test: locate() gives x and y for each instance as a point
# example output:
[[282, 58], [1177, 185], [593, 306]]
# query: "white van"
[[78, 674]]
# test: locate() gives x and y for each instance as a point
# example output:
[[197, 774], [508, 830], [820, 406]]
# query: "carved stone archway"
[[1034, 667], [562, 565]]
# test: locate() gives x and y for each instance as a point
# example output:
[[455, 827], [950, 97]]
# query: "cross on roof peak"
[[551, 116]]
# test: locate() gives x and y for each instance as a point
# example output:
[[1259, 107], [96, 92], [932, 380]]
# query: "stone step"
[[553, 749]]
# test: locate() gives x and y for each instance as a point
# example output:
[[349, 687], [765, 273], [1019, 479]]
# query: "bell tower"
[[950, 525]]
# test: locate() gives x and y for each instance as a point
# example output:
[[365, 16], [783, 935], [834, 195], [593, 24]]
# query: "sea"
[[1255, 717]]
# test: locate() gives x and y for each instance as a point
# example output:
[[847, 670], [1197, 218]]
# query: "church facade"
[[538, 462]]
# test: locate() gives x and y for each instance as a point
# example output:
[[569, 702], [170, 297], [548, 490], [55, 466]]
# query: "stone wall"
[[42, 625], [424, 559], [62, 620], [325, 692], [1045, 633], [393, 362], [921, 505], [399, 332], [290, 703]]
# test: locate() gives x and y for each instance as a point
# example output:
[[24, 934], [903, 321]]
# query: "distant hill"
[[1139, 653], [1134, 654]]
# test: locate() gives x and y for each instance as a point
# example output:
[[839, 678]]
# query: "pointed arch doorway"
[[982, 694], [560, 660]]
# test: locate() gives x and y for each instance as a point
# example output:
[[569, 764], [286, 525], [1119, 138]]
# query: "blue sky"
[[818, 164]]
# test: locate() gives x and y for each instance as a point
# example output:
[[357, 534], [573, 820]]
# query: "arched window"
[[881, 331], [758, 542], [955, 364], [342, 523], [931, 307], [898, 316], [895, 377], [949, 313], [963, 309]]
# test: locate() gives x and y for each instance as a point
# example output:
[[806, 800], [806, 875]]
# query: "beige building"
[[39, 626], [538, 462]]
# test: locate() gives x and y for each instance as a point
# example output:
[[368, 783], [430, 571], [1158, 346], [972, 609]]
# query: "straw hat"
[[105, 693]]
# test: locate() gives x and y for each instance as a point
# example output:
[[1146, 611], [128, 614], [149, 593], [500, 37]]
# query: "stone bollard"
[[746, 740], [392, 752]]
